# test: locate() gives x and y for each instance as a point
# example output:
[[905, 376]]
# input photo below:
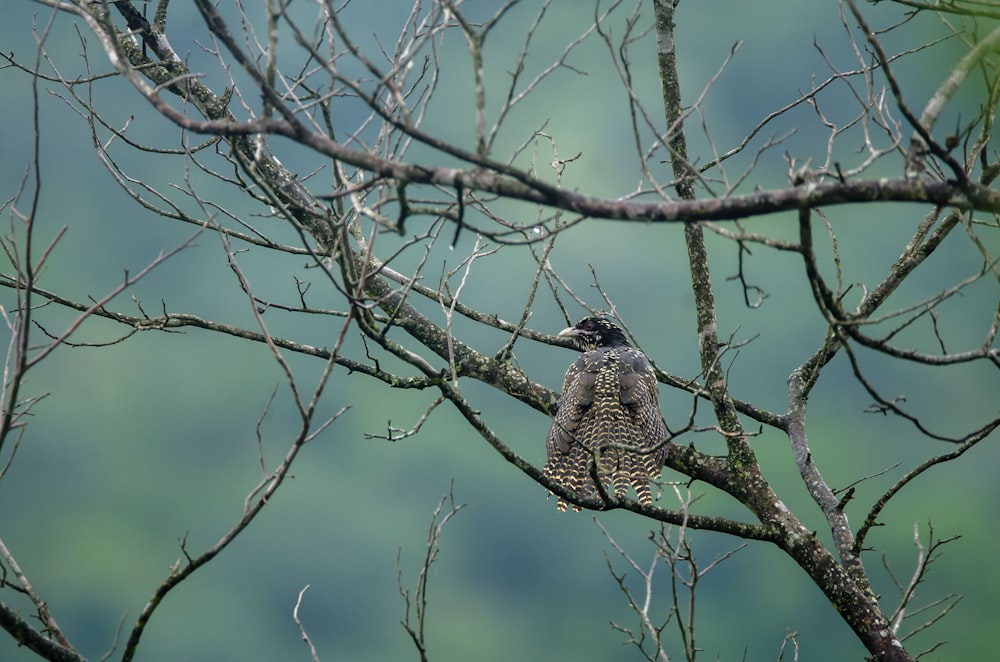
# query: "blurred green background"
[[146, 442]]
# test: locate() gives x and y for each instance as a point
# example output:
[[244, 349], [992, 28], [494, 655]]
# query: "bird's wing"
[[640, 395], [577, 397]]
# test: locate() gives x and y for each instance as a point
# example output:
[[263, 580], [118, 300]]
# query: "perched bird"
[[608, 418]]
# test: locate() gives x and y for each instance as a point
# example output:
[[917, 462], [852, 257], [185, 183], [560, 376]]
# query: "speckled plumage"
[[608, 417]]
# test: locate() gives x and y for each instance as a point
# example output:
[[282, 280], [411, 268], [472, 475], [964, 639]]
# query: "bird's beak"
[[571, 331]]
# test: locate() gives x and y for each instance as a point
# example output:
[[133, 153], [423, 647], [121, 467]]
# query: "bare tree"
[[424, 146]]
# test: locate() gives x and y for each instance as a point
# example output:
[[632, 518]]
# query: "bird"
[[608, 422]]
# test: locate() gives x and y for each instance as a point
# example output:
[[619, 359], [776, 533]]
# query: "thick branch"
[[32, 639], [489, 176], [847, 589], [701, 280]]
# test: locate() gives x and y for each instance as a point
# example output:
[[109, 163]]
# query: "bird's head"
[[594, 332]]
